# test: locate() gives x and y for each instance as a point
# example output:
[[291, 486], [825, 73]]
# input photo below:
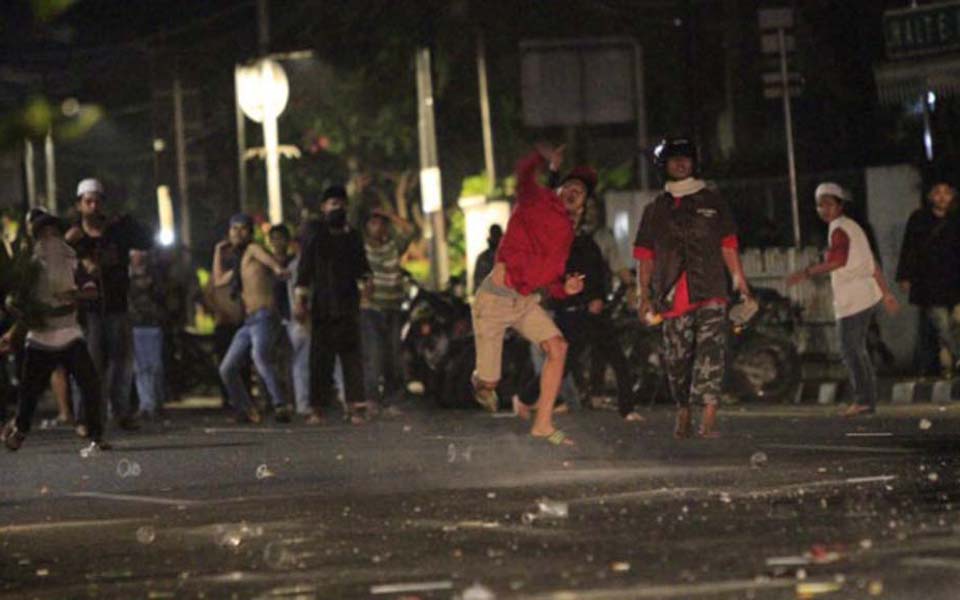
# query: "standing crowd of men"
[[322, 317]]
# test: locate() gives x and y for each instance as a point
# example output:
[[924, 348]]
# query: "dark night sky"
[[115, 52]]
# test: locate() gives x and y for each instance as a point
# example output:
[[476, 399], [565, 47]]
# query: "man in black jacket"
[[103, 244], [929, 267], [686, 245], [333, 269]]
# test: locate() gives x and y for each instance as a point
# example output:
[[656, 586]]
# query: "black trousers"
[[584, 330], [332, 337], [35, 378]]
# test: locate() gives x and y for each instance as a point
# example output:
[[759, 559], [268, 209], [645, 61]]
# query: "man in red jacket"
[[532, 255]]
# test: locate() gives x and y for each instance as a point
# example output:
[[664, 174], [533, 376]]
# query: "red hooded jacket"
[[538, 237]]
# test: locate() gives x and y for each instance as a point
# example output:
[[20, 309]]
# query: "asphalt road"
[[428, 504]]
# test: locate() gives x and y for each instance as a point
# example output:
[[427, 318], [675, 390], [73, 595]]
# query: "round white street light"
[[262, 93], [262, 89]]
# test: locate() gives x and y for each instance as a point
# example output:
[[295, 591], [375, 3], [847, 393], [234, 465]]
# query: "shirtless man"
[[259, 334]]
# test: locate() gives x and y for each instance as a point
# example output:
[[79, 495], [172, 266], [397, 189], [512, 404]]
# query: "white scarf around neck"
[[684, 187]]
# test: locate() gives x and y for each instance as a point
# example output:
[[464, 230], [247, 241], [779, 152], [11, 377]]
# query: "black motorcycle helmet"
[[672, 146]]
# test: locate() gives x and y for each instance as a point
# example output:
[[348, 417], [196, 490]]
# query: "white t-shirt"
[[854, 287]]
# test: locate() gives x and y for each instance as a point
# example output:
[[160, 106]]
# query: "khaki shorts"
[[493, 314]]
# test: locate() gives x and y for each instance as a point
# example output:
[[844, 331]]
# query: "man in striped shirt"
[[380, 317]]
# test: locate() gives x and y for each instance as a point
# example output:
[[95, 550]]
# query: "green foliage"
[[419, 269], [457, 242], [620, 177], [47, 10], [35, 118], [476, 185]]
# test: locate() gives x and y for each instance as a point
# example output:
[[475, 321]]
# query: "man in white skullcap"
[[858, 287], [103, 246]]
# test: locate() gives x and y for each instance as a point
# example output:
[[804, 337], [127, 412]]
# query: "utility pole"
[[241, 147], [51, 169], [263, 27], [181, 144], [791, 155], [29, 173], [491, 168], [776, 38], [643, 169], [431, 195]]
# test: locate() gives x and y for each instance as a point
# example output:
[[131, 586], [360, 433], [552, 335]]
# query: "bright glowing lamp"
[[165, 210], [262, 92]]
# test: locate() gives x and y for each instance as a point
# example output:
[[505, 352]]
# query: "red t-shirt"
[[681, 297], [839, 249]]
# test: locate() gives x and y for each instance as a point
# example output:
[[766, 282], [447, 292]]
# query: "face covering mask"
[[337, 217]]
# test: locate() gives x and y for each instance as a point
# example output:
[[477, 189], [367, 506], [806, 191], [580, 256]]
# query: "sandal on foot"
[[485, 396], [557, 438]]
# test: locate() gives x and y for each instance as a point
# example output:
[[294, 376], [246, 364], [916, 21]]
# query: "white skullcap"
[[830, 189], [89, 186]]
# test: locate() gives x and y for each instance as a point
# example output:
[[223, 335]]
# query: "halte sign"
[[924, 30]]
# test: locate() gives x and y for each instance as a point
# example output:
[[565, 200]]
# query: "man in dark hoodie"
[[929, 267], [332, 272]]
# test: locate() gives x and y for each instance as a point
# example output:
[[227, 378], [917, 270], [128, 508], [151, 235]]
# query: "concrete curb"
[[912, 391]]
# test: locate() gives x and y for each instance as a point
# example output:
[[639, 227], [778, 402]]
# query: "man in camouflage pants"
[[698, 339], [686, 245]]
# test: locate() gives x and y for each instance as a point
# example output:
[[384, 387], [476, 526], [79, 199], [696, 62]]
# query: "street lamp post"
[[262, 92]]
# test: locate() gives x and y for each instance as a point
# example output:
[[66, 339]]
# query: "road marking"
[[826, 448], [877, 479], [244, 430], [928, 561], [136, 498], [639, 494], [669, 591], [870, 435], [400, 588], [784, 489], [64, 524]]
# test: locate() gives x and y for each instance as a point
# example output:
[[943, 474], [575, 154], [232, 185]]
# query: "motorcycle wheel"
[[764, 368]]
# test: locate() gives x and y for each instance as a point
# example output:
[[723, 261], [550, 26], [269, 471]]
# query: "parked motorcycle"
[[763, 361], [439, 352], [437, 327]]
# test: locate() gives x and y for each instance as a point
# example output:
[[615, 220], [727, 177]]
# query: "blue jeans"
[[258, 336], [852, 332], [381, 352], [110, 341], [148, 368], [299, 334]]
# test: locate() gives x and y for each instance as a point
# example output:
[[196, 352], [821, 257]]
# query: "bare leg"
[[550, 378], [61, 392]]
